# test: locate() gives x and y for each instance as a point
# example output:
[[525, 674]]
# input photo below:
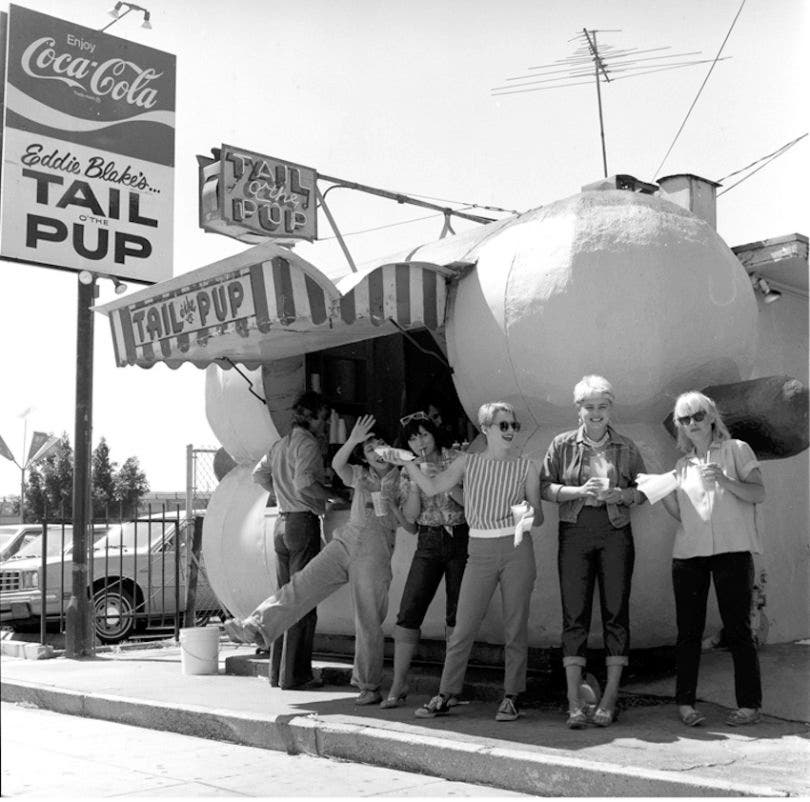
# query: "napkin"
[[656, 485]]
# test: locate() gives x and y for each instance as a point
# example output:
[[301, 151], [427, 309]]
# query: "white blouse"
[[713, 519]]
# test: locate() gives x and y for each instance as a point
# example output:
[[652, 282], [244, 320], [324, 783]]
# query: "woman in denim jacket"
[[719, 484], [590, 472], [441, 549]]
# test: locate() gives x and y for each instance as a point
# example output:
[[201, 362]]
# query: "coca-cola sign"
[[120, 79], [88, 150]]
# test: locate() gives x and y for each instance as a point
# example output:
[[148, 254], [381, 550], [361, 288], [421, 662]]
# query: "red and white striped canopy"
[[267, 303]]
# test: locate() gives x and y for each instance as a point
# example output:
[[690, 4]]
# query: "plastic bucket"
[[199, 650]]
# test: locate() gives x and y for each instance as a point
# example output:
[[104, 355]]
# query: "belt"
[[297, 512]]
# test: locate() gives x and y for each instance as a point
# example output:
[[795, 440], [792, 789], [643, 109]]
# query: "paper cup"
[[380, 507], [604, 485], [518, 511]]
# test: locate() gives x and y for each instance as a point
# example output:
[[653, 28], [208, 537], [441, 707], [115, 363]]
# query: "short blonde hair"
[[589, 386], [487, 412], [688, 404]]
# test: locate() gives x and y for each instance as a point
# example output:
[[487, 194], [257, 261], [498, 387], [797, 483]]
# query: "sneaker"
[[453, 701], [437, 706], [508, 710]]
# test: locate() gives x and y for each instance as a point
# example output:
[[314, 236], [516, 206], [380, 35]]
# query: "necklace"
[[596, 444]]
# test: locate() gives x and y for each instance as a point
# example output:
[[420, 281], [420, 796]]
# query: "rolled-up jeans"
[[438, 554], [356, 556], [590, 551]]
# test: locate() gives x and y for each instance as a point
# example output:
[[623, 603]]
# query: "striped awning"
[[267, 303]]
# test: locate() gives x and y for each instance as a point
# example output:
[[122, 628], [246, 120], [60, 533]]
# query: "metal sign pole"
[[79, 640]]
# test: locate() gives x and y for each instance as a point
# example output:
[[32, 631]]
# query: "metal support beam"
[[399, 198], [79, 630]]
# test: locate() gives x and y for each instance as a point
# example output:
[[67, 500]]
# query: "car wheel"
[[113, 614]]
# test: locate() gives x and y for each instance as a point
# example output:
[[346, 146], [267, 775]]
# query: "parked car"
[[14, 536], [133, 580]]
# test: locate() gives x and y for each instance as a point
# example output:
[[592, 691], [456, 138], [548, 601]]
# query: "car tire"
[[113, 613]]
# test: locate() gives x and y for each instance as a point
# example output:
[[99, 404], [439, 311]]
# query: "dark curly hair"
[[413, 426]]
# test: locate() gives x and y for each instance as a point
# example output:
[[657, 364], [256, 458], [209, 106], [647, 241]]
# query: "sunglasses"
[[697, 417], [505, 425], [413, 416]]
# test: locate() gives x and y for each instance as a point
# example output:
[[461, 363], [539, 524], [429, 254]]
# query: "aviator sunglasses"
[[505, 424], [697, 417]]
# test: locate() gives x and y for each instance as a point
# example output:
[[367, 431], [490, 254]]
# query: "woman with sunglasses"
[[494, 482], [590, 472], [719, 483], [441, 549]]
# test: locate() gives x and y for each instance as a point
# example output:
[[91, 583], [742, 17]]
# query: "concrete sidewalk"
[[648, 752]]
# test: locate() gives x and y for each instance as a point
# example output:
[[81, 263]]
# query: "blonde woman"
[[719, 483], [590, 472]]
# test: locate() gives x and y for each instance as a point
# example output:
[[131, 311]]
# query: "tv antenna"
[[599, 63]]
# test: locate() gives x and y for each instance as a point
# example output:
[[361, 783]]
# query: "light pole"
[[41, 445]]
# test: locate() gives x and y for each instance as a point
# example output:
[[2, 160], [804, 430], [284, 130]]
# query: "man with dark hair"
[[293, 471]]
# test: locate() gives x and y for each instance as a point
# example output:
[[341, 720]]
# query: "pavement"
[[647, 752]]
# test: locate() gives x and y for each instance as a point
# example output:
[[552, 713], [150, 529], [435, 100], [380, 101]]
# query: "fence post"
[[189, 482], [193, 569]]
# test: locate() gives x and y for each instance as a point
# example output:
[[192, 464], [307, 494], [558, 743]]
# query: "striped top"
[[491, 487]]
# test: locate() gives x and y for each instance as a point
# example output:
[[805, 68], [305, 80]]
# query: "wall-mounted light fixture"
[[760, 284], [120, 287]]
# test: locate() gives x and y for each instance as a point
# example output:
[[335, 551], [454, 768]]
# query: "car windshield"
[[137, 534], [5, 538], [59, 540]]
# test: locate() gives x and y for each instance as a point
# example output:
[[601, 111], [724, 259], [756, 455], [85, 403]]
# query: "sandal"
[[744, 716], [692, 719], [394, 701]]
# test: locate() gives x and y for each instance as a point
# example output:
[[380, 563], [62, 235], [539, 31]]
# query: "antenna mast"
[[610, 64]]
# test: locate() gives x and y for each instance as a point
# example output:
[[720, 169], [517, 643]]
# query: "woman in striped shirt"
[[494, 481]]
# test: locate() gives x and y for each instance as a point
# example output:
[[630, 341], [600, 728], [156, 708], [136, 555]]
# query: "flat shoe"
[[368, 697], [577, 720], [692, 718], [244, 632], [741, 718]]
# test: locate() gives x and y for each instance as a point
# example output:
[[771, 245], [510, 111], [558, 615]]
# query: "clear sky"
[[397, 95]]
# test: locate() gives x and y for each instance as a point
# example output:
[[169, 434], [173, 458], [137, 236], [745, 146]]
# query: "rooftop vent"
[[619, 181], [697, 194]]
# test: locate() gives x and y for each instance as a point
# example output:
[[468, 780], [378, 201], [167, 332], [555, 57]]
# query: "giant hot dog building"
[[634, 285]]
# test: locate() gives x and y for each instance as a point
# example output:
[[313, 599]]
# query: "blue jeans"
[[733, 576], [438, 554], [296, 540], [590, 551]]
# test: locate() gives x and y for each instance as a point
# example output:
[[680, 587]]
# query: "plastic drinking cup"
[[380, 507]]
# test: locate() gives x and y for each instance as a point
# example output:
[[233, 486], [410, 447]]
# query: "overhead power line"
[[705, 81], [766, 160]]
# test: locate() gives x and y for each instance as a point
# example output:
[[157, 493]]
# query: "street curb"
[[27, 651], [415, 751]]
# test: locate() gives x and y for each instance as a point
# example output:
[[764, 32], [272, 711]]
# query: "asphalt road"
[[50, 754]]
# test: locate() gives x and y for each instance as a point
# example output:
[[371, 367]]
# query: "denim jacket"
[[563, 466]]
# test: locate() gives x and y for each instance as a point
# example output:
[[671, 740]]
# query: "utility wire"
[[705, 80], [768, 159], [777, 152]]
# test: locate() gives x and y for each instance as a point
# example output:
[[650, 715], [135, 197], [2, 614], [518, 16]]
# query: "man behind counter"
[[293, 471]]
